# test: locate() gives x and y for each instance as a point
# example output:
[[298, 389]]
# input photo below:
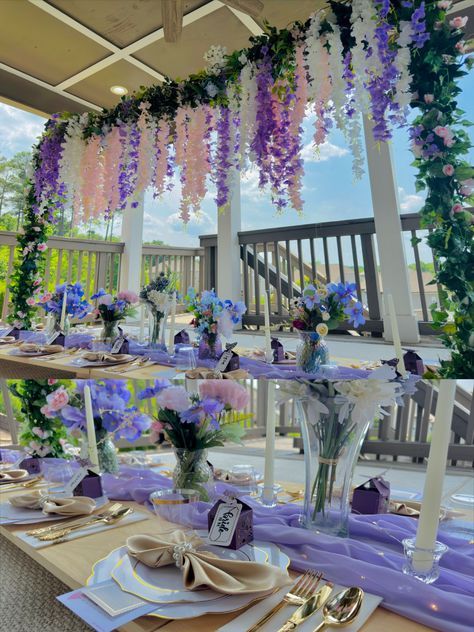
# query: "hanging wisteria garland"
[[377, 58]]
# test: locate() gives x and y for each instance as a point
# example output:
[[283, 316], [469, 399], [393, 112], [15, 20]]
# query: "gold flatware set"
[[306, 593]]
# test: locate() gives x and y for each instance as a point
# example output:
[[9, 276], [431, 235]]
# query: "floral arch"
[[379, 58]]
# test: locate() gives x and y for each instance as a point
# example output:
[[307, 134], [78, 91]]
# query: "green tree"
[[13, 182]]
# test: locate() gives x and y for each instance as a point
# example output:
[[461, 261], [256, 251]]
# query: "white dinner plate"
[[21, 515], [103, 569]]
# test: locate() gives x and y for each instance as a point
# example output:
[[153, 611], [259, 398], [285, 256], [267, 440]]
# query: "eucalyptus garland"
[[42, 434], [371, 56]]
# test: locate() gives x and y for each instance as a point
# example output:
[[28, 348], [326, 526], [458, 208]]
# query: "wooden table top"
[[71, 562]]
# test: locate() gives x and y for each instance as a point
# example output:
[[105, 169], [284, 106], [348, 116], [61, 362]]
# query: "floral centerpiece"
[[113, 417], [335, 417], [212, 317], [41, 433], [193, 423], [112, 309], [52, 303], [156, 297], [319, 309]]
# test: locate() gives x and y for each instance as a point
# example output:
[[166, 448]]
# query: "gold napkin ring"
[[179, 551]]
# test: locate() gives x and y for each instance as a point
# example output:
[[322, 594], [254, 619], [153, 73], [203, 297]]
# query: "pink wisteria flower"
[[227, 391], [174, 398], [448, 170], [458, 22], [42, 247]]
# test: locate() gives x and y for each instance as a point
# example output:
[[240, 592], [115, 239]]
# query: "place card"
[[229, 360], [84, 482]]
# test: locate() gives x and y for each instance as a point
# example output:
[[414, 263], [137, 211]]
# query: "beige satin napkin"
[[100, 356], [13, 475], [202, 568], [209, 374], [30, 347], [6, 340], [73, 506]]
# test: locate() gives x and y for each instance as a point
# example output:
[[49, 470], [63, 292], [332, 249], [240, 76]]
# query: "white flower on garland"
[[313, 54], [336, 69], [73, 150], [363, 21], [403, 95], [368, 397], [215, 59], [248, 109]]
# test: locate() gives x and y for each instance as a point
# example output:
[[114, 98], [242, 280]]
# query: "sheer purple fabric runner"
[[372, 557]]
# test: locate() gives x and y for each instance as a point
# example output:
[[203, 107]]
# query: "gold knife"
[[310, 606]]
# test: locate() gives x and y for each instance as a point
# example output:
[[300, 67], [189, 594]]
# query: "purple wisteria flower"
[[418, 27]]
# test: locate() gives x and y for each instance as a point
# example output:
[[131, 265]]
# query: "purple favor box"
[[371, 497], [234, 363], [31, 464], [413, 362], [91, 486], [278, 350], [181, 338], [243, 533]]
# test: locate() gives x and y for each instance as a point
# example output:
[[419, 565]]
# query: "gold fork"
[[296, 596], [56, 536], [57, 527]]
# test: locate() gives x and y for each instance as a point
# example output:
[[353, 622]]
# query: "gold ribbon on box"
[[202, 568]]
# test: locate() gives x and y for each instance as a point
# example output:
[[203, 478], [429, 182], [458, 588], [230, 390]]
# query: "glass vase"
[[311, 351], [107, 453], [193, 471], [55, 325], [109, 332], [210, 347], [332, 442], [156, 328]]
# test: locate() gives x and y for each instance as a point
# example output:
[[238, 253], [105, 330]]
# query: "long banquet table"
[[71, 562]]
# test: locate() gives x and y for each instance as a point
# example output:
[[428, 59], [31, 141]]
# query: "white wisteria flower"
[[215, 59]]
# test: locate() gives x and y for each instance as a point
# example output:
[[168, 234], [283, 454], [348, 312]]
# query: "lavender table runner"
[[371, 557]]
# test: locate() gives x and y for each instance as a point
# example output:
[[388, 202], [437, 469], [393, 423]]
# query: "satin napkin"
[[209, 374], [73, 506], [13, 475], [100, 356], [202, 568], [30, 347]]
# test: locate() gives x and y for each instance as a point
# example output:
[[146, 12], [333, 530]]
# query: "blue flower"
[[152, 391], [356, 314], [343, 291], [311, 297]]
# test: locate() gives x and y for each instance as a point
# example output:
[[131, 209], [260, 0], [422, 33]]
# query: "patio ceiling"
[[60, 55]]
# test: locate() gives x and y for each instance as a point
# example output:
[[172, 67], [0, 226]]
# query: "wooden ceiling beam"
[[250, 7], [172, 14]]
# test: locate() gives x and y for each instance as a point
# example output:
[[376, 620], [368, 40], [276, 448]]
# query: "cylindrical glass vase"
[[107, 453], [193, 471], [332, 442], [156, 324]]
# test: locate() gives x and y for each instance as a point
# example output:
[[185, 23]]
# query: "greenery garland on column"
[[41, 435]]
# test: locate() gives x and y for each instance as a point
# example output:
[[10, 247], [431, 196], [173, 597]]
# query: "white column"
[[228, 249], [393, 265], [132, 236]]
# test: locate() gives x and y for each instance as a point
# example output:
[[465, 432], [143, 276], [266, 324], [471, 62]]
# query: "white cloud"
[[326, 151], [410, 202], [19, 130]]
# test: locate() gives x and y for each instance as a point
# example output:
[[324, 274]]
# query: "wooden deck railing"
[[284, 259]]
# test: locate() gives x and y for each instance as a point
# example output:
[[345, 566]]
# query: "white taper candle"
[[396, 336], [269, 472], [90, 427], [142, 323], [63, 309], [268, 340], [435, 471], [172, 324]]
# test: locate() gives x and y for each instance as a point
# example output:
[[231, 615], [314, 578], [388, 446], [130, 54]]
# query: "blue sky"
[[328, 188]]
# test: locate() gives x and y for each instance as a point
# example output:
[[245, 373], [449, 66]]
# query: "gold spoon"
[[342, 609]]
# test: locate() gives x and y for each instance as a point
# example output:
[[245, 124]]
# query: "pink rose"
[[458, 22], [448, 141], [457, 208], [107, 299], [429, 98], [58, 399], [47, 411], [37, 282], [174, 398], [442, 132], [128, 295], [30, 301], [51, 381], [461, 47], [46, 297], [230, 393], [42, 247], [444, 5], [448, 170], [156, 429]]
